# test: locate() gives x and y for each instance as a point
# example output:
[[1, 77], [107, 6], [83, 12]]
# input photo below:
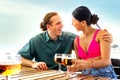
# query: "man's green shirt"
[[43, 49]]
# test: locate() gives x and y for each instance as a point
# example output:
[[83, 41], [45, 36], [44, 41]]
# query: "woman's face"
[[77, 24]]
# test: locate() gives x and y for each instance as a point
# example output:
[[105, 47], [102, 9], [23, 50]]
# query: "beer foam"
[[9, 63]]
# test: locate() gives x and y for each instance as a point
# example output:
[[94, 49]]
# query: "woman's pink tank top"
[[93, 50]]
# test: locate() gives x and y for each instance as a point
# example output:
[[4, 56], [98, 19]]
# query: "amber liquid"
[[67, 62], [10, 69], [58, 60]]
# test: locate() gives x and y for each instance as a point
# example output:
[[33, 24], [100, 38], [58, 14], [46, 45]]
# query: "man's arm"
[[27, 62], [37, 65]]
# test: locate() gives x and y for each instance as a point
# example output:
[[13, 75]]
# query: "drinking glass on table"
[[58, 60], [67, 61], [9, 64]]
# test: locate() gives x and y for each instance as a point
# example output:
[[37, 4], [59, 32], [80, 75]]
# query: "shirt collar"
[[49, 39]]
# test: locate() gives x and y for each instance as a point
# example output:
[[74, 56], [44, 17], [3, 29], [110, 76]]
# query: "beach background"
[[20, 20]]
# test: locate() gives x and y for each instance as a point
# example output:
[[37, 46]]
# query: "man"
[[53, 40]]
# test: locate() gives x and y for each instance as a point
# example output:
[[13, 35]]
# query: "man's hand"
[[107, 36], [40, 65]]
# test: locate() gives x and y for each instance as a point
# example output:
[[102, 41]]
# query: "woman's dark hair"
[[83, 13], [46, 20]]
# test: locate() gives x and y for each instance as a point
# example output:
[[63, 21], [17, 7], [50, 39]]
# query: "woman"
[[92, 51]]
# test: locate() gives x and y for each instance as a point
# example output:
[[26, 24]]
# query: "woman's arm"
[[105, 52]]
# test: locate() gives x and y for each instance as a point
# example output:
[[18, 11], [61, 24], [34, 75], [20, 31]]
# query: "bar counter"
[[28, 73]]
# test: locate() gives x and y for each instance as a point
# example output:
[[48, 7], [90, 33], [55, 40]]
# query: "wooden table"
[[28, 73]]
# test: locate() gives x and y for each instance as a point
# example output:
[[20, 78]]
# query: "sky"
[[20, 19]]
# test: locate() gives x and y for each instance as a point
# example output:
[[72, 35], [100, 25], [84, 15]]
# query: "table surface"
[[28, 73]]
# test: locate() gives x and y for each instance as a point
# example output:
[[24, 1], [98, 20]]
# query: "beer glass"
[[58, 60], [67, 61], [9, 64]]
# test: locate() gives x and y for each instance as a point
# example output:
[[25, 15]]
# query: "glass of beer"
[[58, 60], [67, 61], [9, 64]]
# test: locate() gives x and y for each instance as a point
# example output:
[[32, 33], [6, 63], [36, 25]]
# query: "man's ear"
[[48, 26]]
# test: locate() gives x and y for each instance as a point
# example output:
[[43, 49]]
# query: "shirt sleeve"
[[72, 37], [27, 50]]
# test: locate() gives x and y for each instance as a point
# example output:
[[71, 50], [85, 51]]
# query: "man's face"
[[56, 25]]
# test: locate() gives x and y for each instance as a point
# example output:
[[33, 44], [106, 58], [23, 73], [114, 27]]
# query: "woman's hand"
[[40, 65], [80, 65]]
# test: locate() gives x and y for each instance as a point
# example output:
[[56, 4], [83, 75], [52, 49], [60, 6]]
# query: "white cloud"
[[67, 22], [23, 22]]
